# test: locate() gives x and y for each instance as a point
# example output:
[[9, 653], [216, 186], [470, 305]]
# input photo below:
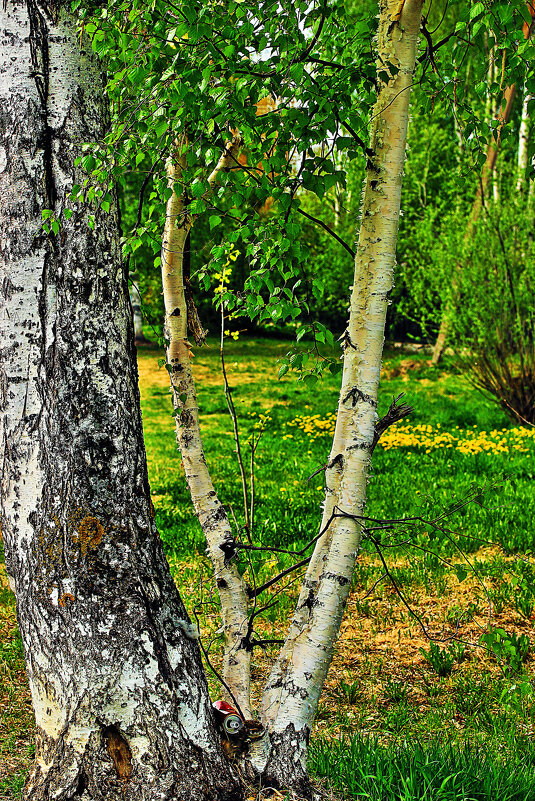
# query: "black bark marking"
[[341, 580], [284, 769], [357, 395], [82, 785], [41, 69], [337, 462]]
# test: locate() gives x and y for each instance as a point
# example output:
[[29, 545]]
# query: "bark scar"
[[119, 751]]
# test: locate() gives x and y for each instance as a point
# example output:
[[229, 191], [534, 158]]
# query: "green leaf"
[[161, 128], [197, 188], [461, 573], [477, 8], [88, 163]]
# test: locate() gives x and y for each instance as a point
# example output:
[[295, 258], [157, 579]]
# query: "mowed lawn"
[[401, 717]]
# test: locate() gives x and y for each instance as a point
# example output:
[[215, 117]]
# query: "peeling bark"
[[293, 689], [121, 703]]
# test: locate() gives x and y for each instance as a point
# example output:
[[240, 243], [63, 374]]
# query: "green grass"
[[449, 725], [405, 481], [363, 768]]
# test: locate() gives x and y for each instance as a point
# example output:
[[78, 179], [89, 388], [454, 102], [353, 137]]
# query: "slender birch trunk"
[[292, 692], [121, 703], [210, 511]]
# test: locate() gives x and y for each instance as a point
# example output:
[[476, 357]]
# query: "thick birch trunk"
[[211, 513], [121, 703], [292, 693]]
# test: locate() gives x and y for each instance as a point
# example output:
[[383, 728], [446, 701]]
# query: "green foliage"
[[191, 75], [440, 659], [509, 649], [493, 323], [185, 79]]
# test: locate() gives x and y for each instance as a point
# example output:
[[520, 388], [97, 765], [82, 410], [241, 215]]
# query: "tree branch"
[[254, 593], [329, 230], [397, 411]]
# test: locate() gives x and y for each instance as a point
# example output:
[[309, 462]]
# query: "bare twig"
[[234, 418], [254, 593]]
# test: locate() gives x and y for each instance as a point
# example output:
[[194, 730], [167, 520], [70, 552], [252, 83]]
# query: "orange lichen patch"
[[89, 534], [65, 599]]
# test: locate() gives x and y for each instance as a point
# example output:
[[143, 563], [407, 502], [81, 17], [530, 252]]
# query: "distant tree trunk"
[[523, 142], [486, 173], [121, 702], [292, 693], [135, 302]]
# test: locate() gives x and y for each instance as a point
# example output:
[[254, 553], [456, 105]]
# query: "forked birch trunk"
[[293, 689], [121, 702], [210, 511]]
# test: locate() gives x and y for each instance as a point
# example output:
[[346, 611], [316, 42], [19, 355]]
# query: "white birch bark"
[[211, 513], [121, 702], [292, 692]]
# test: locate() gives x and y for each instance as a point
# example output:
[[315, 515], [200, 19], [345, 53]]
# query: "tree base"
[[286, 765]]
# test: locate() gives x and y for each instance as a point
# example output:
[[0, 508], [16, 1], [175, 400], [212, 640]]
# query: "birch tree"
[[121, 702], [523, 141], [291, 695], [210, 511]]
